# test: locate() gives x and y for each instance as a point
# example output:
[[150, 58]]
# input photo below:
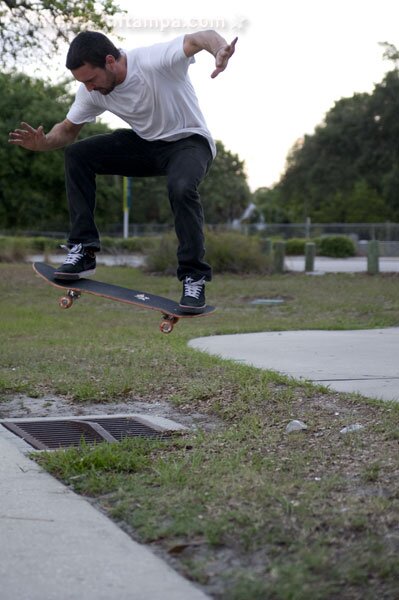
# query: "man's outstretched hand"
[[222, 57], [28, 137]]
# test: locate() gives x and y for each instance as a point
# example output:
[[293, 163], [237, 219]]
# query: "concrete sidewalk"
[[348, 361], [54, 545]]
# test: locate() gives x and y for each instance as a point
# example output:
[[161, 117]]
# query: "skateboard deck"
[[170, 310]]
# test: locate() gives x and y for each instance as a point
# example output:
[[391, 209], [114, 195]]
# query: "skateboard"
[[170, 310]]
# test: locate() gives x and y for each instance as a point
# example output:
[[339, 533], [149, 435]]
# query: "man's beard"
[[107, 90]]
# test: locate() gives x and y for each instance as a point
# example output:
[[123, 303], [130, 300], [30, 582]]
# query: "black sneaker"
[[79, 263], [193, 298]]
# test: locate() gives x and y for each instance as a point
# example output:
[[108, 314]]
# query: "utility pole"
[[127, 204]]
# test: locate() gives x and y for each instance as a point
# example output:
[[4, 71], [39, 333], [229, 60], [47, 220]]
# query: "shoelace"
[[74, 254], [193, 288]]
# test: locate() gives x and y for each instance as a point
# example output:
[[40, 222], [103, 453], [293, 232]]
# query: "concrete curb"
[[57, 546]]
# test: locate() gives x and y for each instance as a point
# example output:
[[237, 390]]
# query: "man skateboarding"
[[149, 88]]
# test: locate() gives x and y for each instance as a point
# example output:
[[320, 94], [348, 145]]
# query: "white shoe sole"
[[73, 276], [192, 309]]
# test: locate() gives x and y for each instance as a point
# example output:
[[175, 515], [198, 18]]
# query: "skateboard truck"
[[67, 301]]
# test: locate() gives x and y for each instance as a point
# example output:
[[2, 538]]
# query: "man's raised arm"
[[61, 135], [214, 43]]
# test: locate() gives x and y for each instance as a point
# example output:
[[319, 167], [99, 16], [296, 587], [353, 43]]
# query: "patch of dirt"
[[20, 406]]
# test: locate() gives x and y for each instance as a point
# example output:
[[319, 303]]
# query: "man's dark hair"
[[92, 48]]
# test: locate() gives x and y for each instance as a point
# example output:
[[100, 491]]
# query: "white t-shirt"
[[156, 99]]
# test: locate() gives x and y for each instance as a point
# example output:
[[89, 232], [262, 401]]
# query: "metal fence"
[[384, 232], [387, 234], [357, 231]]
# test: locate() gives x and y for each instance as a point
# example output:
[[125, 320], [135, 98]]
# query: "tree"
[[348, 170], [362, 204], [270, 205], [224, 193], [41, 25], [32, 186], [390, 53]]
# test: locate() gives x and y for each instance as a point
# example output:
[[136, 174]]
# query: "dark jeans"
[[184, 162]]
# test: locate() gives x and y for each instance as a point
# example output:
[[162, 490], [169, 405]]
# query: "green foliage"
[[15, 248], [295, 246], [25, 26], [133, 244], [150, 202], [390, 53], [235, 253], [361, 204], [337, 246], [12, 249], [226, 252], [42, 244], [32, 186], [348, 170], [30, 183], [162, 258], [224, 193], [271, 205]]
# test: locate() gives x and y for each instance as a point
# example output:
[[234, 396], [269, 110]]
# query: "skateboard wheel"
[[166, 326], [66, 302]]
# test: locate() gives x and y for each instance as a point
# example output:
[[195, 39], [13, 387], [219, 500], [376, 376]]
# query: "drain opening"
[[267, 301], [47, 434]]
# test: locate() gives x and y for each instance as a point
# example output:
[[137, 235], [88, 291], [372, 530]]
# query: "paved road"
[[357, 264]]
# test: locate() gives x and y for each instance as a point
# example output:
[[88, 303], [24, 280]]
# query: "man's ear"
[[110, 60]]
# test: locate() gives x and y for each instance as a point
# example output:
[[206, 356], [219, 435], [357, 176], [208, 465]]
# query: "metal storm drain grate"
[[267, 301], [51, 433]]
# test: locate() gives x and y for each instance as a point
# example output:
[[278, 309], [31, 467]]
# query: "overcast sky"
[[293, 60]]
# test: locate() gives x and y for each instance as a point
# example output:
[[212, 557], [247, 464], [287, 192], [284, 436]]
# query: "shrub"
[[226, 252], [43, 244], [132, 244], [235, 253], [162, 257], [337, 246], [13, 249], [295, 246]]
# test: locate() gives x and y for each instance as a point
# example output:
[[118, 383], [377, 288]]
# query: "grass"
[[246, 510]]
